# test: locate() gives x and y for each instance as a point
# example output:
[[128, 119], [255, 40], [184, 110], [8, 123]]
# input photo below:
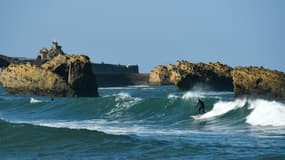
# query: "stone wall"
[[120, 80], [99, 68]]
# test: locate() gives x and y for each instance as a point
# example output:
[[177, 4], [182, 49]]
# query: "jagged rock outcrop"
[[216, 76], [76, 71], [255, 82], [159, 76], [28, 79], [185, 75], [62, 75], [258, 82]]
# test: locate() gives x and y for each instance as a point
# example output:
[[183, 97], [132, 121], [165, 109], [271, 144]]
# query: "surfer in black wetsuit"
[[201, 106]]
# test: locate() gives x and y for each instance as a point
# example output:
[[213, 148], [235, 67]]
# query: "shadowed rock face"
[[4, 61], [258, 82], [76, 71], [186, 75], [62, 75], [214, 75]]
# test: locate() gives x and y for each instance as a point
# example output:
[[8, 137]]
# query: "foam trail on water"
[[221, 108], [109, 127], [266, 113], [33, 100]]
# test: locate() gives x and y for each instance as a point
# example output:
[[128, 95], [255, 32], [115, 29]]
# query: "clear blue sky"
[[149, 32]]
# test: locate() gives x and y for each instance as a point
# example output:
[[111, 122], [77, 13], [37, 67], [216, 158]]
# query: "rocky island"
[[186, 75], [53, 73], [244, 81]]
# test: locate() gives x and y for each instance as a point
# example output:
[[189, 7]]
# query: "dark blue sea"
[[141, 122]]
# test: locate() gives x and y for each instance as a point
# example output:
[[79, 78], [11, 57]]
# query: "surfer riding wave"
[[201, 107]]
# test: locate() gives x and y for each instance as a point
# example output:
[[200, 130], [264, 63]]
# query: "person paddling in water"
[[201, 106]]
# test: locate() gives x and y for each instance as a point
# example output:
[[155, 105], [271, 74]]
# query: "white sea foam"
[[203, 94], [34, 100], [214, 93], [266, 113], [222, 107], [191, 94], [172, 96], [123, 102], [109, 127], [263, 112], [122, 96]]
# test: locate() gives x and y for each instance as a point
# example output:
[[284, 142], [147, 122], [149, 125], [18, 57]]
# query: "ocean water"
[[141, 122]]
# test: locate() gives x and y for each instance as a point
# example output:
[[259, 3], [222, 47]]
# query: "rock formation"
[[61, 75], [76, 71], [258, 82], [28, 79], [47, 54], [186, 75], [159, 76], [244, 81]]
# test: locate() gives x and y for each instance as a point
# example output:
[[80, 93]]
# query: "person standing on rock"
[[201, 106]]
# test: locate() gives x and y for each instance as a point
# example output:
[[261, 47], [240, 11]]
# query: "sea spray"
[[123, 102], [190, 94], [172, 96]]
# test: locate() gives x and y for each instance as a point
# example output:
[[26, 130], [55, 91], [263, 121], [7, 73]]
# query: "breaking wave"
[[266, 113]]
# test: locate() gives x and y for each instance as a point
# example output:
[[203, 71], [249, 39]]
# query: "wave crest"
[[123, 102], [222, 107], [266, 113]]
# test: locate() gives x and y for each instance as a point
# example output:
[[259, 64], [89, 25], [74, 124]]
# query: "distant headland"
[[55, 73]]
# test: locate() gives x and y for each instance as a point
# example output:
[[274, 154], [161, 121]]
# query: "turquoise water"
[[141, 122]]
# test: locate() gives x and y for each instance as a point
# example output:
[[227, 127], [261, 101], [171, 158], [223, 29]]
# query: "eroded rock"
[[186, 75], [28, 79], [258, 82], [60, 75]]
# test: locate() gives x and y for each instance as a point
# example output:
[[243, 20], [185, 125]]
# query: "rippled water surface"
[[141, 122]]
